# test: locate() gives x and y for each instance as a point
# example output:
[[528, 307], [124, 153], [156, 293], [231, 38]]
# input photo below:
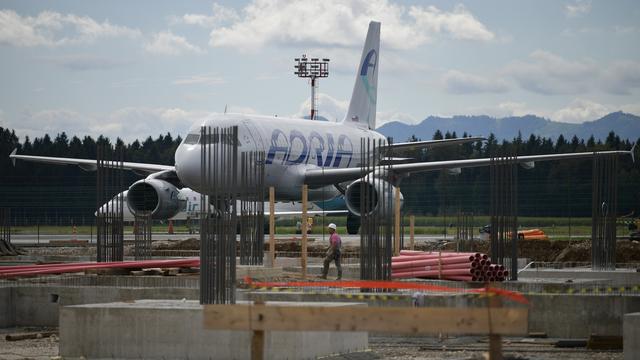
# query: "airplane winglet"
[[633, 152], [12, 156]]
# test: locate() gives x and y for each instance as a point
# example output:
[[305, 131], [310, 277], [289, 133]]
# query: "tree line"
[[66, 194]]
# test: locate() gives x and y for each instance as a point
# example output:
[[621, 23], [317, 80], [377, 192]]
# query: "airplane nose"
[[188, 165]]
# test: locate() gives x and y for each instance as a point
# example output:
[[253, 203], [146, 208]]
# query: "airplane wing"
[[320, 177], [90, 165], [430, 144]]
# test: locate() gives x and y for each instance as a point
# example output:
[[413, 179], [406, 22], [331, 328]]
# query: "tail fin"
[[362, 108]]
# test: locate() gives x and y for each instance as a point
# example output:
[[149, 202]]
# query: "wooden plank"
[[412, 226], [495, 340], [303, 247], [403, 320], [396, 238], [272, 226]]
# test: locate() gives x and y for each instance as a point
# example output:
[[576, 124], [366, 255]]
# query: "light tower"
[[312, 68]]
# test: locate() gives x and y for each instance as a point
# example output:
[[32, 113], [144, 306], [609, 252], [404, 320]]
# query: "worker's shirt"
[[335, 241]]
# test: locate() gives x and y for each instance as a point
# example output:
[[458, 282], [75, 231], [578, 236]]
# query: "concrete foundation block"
[[631, 336], [161, 329]]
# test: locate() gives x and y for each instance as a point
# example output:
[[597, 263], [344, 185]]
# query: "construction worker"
[[333, 253]]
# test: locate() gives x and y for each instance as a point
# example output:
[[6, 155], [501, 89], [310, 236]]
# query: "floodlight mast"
[[312, 68]]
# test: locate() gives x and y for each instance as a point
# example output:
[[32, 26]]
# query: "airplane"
[[324, 155], [189, 204]]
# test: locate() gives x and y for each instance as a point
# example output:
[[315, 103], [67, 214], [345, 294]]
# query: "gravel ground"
[[463, 348], [44, 348], [471, 348]]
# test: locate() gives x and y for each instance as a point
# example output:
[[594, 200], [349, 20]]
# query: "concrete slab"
[[161, 329], [616, 277], [631, 336]]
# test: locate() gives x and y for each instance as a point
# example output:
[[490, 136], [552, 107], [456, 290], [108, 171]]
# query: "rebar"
[[218, 220], [503, 180], [142, 236], [464, 231], [376, 212], [110, 203], [5, 225], [604, 204], [252, 195]]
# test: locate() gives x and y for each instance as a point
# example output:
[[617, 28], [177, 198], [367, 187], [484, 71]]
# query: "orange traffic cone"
[[170, 227]]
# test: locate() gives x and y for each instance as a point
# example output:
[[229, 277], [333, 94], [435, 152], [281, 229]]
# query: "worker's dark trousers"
[[332, 256]]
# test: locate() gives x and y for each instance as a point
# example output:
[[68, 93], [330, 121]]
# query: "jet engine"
[[379, 196], [156, 196]]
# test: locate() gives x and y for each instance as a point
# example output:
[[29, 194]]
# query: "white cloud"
[[127, 123], [50, 28], [239, 109], [342, 23], [328, 107], [457, 82], [205, 79], [82, 62], [579, 111], [547, 73], [621, 77], [578, 8], [166, 43], [220, 15]]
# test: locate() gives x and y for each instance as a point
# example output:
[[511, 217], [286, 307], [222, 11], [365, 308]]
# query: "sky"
[[133, 69]]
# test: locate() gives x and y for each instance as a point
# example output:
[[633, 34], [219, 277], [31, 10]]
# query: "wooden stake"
[[303, 259], [412, 224], [272, 226], [257, 340], [396, 208], [495, 340]]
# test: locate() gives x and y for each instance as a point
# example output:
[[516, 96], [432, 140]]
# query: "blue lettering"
[[277, 148], [319, 146], [330, 150], [343, 141], [295, 134]]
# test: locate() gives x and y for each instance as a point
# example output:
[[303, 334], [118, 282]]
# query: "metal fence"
[[142, 225], [252, 195], [110, 203], [503, 180], [604, 205], [376, 210], [219, 181]]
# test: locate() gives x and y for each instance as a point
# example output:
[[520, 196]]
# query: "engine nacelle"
[[380, 195], [158, 197]]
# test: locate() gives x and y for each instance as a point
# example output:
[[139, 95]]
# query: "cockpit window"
[[192, 139]]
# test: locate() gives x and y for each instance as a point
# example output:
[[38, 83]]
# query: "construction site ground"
[[458, 348], [627, 251]]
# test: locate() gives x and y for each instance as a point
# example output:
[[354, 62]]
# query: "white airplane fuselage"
[[291, 147]]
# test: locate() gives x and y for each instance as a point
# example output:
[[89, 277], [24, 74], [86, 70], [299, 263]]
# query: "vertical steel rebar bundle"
[[218, 220], [5, 225], [109, 217], [252, 195], [464, 231], [376, 211], [604, 204], [142, 236], [503, 180]]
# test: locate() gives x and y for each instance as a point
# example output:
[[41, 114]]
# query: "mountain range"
[[626, 125]]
